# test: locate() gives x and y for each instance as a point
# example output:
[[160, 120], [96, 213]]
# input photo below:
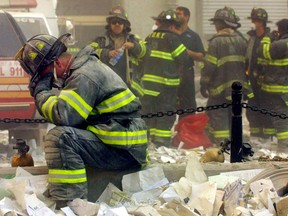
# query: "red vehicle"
[[15, 99]]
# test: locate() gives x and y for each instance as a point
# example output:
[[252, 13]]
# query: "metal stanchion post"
[[236, 124]]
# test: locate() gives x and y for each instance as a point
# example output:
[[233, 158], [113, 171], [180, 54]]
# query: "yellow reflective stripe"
[[266, 51], [48, 106], [262, 61], [162, 133], [143, 49], [282, 135], [250, 95], [266, 39], [269, 131], [134, 61], [161, 80], [76, 101], [180, 49], [94, 45], [120, 137], [255, 130], [201, 65], [231, 58], [274, 88], [152, 131], [279, 62], [161, 55], [221, 88], [221, 133], [67, 176], [137, 87], [211, 59], [115, 102], [150, 92]]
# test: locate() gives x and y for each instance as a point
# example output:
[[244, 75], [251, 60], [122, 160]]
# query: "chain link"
[[264, 111], [168, 113], [188, 110]]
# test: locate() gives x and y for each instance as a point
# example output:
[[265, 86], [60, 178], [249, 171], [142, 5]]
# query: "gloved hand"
[[204, 91], [41, 84]]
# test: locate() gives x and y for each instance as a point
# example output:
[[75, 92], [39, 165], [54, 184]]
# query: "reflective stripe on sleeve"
[[48, 106], [180, 49], [143, 49], [137, 88], [211, 59], [77, 102], [115, 102], [161, 80], [266, 51]]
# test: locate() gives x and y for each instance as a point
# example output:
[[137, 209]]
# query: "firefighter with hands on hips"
[[260, 128], [161, 77], [274, 49], [127, 48], [223, 65], [195, 49], [96, 115]]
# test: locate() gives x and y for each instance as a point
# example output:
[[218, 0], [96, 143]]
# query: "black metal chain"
[[264, 111], [167, 113], [188, 110]]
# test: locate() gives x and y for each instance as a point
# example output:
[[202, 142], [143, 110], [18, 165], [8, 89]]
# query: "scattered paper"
[[194, 170], [144, 180], [203, 197]]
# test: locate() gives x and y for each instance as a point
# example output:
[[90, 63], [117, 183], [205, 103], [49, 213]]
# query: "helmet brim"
[[268, 21], [233, 25], [119, 16]]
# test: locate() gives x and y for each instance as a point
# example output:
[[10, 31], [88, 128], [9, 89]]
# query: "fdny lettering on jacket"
[[160, 35]]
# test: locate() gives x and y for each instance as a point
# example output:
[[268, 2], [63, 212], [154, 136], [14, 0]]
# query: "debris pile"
[[149, 192]]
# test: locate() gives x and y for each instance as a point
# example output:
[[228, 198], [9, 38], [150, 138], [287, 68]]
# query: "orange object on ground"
[[22, 158], [190, 130]]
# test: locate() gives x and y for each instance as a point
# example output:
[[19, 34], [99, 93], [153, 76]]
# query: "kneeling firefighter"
[[96, 115]]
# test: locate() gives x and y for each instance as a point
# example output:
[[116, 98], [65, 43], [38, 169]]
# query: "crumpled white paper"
[[106, 210], [144, 180], [10, 207], [194, 170], [203, 197]]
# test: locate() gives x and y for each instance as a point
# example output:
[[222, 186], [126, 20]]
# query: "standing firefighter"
[[120, 49], [95, 113], [260, 128], [275, 83], [224, 64], [162, 76]]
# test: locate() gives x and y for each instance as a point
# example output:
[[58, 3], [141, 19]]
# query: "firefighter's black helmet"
[[259, 14], [40, 51]]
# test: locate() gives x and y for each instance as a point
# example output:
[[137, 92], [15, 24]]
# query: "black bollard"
[[236, 124]]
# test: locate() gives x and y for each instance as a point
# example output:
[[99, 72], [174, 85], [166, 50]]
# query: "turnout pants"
[[68, 150], [160, 127]]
